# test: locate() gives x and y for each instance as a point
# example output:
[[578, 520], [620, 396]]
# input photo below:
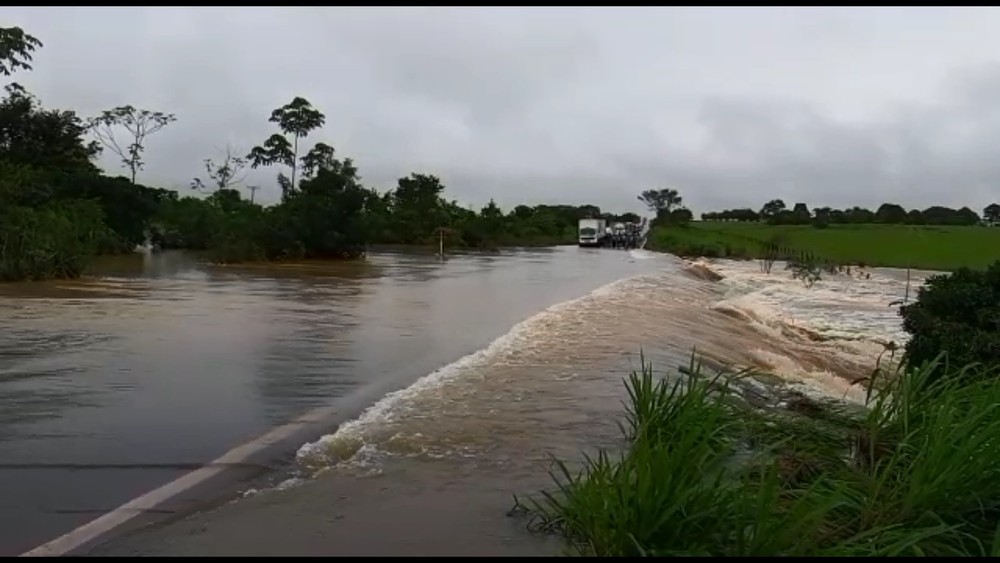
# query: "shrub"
[[706, 474], [958, 314]]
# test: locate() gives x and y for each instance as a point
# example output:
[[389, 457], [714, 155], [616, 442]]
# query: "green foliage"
[[775, 213], [663, 200], [51, 241], [138, 124], [16, 47], [896, 246], [694, 242], [45, 231], [40, 138], [708, 472], [677, 216], [991, 213], [297, 118], [958, 314]]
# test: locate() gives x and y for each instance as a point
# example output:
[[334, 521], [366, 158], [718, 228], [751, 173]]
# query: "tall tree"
[[992, 213], [297, 118], [223, 175], [16, 47], [660, 200], [137, 123]]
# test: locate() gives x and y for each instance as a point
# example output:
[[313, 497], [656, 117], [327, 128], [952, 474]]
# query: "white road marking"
[[107, 522]]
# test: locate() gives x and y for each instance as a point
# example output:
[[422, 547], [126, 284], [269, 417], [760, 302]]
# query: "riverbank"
[[892, 246]]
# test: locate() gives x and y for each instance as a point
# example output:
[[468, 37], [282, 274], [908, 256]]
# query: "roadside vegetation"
[[936, 238], [58, 210], [707, 473], [722, 465], [927, 247]]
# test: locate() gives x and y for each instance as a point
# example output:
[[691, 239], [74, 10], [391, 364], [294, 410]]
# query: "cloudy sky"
[[732, 107]]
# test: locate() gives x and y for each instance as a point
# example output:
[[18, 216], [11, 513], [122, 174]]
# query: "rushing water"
[[114, 385]]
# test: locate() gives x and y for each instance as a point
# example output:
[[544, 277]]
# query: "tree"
[[33, 136], [890, 213], [822, 215], [522, 212], [16, 47], [772, 208], [806, 269], [138, 123], [297, 118], [801, 214], [223, 175], [660, 200], [680, 216], [417, 207], [321, 157], [992, 213]]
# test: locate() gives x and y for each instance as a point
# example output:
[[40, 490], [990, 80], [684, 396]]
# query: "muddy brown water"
[[485, 364]]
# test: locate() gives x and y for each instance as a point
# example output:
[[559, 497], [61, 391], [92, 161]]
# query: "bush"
[[52, 241], [958, 314], [707, 474]]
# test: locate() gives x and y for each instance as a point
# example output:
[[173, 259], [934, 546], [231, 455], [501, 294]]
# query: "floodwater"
[[478, 365]]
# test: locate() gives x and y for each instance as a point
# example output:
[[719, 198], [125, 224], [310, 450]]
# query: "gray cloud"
[[731, 106]]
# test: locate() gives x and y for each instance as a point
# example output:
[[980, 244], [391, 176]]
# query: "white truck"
[[592, 232]]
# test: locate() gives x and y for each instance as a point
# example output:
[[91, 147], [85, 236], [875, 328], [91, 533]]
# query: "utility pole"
[[442, 231]]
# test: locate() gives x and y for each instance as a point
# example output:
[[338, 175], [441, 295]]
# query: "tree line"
[[775, 212], [58, 209]]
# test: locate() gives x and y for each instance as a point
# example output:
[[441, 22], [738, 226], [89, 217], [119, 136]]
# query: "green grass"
[[914, 473], [921, 247]]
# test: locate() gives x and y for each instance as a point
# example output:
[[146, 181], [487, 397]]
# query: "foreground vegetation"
[[58, 210], [930, 247], [725, 466], [708, 473]]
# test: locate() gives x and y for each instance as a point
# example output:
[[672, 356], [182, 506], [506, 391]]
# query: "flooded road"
[[116, 385]]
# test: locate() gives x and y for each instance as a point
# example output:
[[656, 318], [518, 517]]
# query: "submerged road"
[[116, 385]]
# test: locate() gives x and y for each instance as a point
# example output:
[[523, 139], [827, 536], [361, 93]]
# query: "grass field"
[[921, 247]]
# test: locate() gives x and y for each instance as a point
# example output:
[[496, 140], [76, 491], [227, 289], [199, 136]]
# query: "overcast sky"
[[732, 107]]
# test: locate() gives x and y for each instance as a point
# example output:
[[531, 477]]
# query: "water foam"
[[818, 384], [797, 346], [848, 318], [837, 307], [641, 254], [348, 442]]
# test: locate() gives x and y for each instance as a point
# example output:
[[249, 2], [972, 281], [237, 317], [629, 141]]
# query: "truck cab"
[[590, 232]]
